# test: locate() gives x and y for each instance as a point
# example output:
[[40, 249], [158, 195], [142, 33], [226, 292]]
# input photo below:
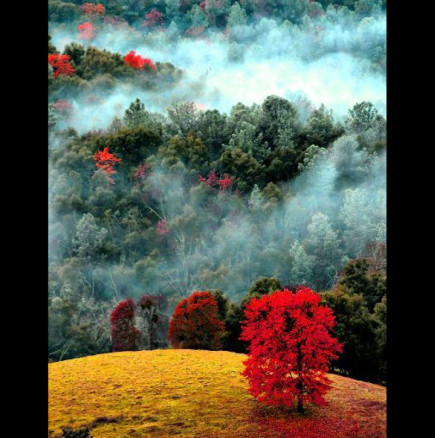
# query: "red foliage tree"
[[61, 65], [63, 107], [86, 31], [195, 323], [105, 160], [137, 61], [92, 9], [141, 172], [125, 336], [219, 184], [153, 19], [290, 347], [162, 229]]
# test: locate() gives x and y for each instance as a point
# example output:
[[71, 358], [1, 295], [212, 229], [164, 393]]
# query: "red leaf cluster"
[[61, 65], [93, 10], [137, 61], [63, 106], [290, 347], [105, 160], [86, 31], [125, 336], [195, 323], [162, 229], [153, 18], [141, 172], [220, 184]]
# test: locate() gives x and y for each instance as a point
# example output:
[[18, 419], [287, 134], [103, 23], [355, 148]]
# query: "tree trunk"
[[300, 406]]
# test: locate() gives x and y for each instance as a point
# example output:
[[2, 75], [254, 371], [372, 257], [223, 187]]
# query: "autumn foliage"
[[153, 18], [195, 323], [92, 9], [137, 61], [105, 160], [219, 184], [86, 31], [162, 229], [141, 172], [125, 336], [63, 106], [290, 348], [61, 65]]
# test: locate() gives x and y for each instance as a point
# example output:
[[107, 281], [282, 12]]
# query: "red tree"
[[162, 229], [61, 65], [141, 172], [137, 61], [105, 160], [86, 31], [219, 184], [195, 323], [290, 347], [92, 10], [153, 18], [125, 336], [63, 107]]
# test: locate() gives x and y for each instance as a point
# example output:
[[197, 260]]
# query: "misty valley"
[[224, 148]]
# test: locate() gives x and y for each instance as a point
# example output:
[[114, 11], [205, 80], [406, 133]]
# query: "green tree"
[[248, 170], [237, 16], [380, 324], [359, 281], [322, 130], [323, 245], [354, 329], [277, 115], [361, 117], [136, 115], [262, 286], [183, 117]]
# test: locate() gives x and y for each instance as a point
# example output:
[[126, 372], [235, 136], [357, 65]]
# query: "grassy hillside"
[[195, 394]]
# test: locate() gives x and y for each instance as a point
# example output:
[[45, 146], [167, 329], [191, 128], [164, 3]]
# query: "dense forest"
[[231, 147]]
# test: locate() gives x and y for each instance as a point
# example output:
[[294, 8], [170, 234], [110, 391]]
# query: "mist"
[[231, 241], [329, 62]]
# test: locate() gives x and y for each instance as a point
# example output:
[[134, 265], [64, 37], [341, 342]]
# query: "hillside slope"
[[195, 394]]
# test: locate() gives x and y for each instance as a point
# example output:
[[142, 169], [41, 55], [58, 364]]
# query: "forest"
[[235, 147]]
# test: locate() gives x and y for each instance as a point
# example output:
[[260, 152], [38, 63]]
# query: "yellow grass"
[[191, 394]]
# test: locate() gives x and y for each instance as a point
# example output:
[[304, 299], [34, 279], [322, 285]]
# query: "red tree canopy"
[[125, 336], [141, 172], [61, 65], [195, 323], [137, 61], [153, 18], [86, 31], [290, 347], [105, 160], [93, 10], [63, 106], [162, 229], [220, 184]]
